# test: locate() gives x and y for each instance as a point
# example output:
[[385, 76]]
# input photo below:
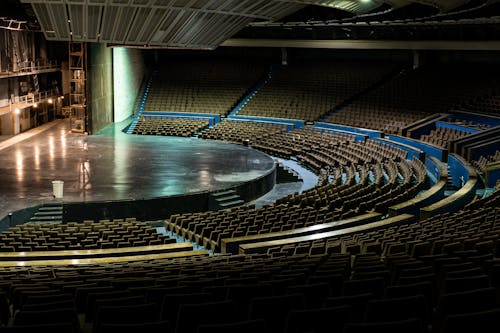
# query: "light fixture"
[[17, 111], [50, 100], [35, 105]]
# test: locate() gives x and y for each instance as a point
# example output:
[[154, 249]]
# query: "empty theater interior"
[[271, 166]]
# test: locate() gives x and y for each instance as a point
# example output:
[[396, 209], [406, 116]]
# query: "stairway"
[[225, 200], [48, 213], [130, 128], [139, 107], [391, 75], [251, 93], [197, 134], [449, 188], [286, 175]]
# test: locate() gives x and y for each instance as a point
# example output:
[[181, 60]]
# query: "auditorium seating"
[[440, 136], [483, 161], [201, 87], [373, 117], [429, 284], [80, 236], [438, 275], [306, 91], [316, 148], [239, 131], [484, 103], [413, 95], [170, 126], [373, 182], [473, 229], [412, 289]]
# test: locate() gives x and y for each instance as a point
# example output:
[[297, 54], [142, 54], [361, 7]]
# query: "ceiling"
[[206, 24]]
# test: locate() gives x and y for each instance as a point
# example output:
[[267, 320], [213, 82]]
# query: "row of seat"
[[284, 293], [169, 126], [242, 131], [475, 229], [307, 91], [79, 236], [483, 161], [201, 86], [440, 136], [396, 283], [310, 91], [486, 103], [413, 95], [366, 187]]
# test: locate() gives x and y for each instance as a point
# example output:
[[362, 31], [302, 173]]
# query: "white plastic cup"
[[57, 188]]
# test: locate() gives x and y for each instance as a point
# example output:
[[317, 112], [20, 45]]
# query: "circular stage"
[[116, 166]]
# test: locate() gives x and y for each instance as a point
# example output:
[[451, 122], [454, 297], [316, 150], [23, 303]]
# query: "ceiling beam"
[[493, 45]]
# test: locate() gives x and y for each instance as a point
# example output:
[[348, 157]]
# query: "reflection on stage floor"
[[112, 165]]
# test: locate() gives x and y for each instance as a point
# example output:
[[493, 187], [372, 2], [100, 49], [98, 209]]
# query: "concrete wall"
[[128, 74], [100, 85], [65, 77], [7, 124], [11, 84], [4, 92]]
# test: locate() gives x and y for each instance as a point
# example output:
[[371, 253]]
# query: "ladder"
[[78, 86]]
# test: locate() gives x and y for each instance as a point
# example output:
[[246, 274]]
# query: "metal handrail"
[[31, 66], [31, 98]]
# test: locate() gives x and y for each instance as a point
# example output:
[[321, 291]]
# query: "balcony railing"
[[30, 99], [29, 66]]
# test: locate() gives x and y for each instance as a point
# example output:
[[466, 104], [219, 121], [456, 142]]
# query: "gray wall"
[[128, 74], [100, 85]]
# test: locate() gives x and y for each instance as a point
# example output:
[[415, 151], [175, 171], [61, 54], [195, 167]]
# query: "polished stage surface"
[[112, 165]]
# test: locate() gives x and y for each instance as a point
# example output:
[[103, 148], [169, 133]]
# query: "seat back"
[[190, 316], [321, 320]]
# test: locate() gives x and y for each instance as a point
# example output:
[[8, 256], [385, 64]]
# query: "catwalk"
[[112, 165]]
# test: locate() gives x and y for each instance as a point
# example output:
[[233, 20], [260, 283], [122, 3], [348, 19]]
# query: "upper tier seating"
[[413, 95], [307, 91], [201, 87], [488, 104]]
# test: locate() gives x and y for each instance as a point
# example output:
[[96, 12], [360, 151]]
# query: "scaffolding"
[[77, 108]]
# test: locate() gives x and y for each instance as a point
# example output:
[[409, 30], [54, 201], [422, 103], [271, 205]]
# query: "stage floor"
[[112, 165]]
